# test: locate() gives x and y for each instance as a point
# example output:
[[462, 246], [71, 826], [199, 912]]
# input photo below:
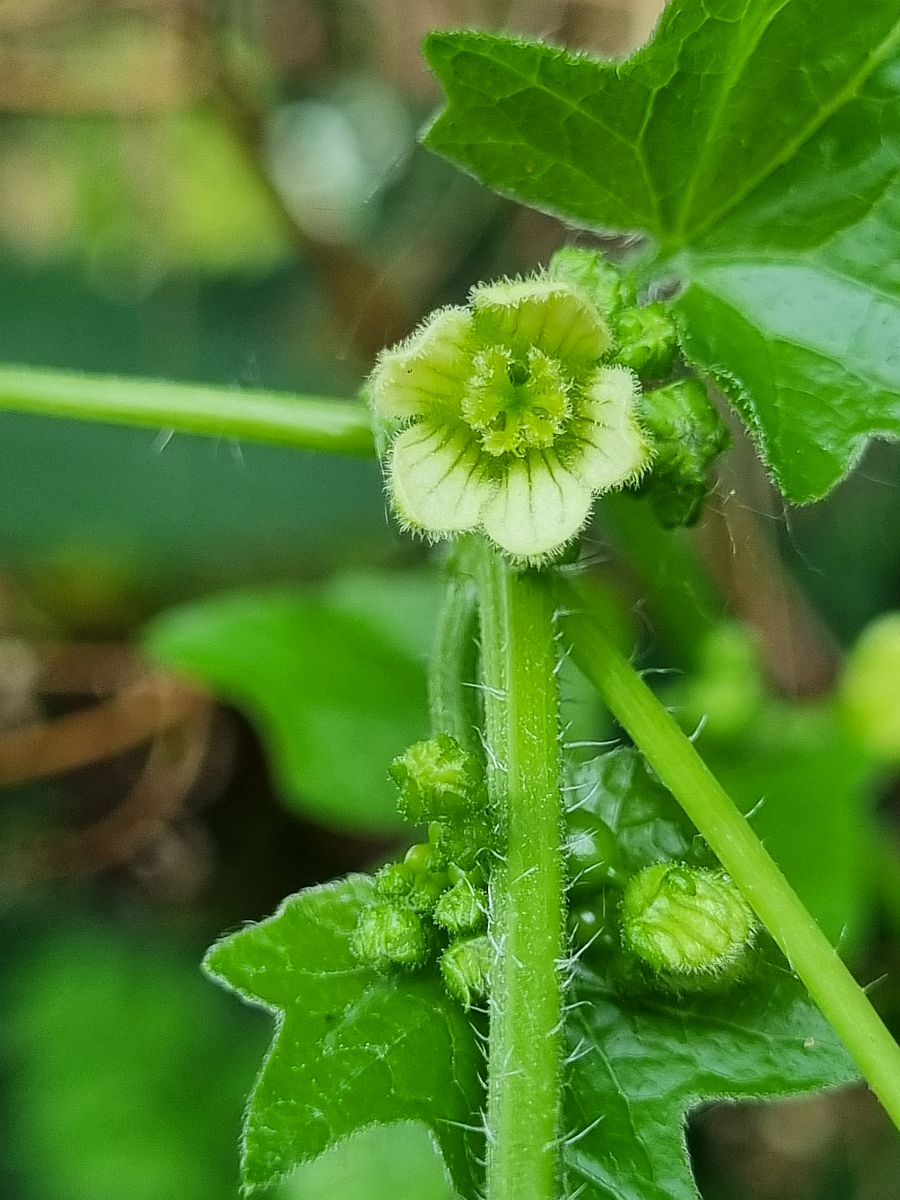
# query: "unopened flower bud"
[[685, 921], [462, 909], [687, 434], [391, 934], [437, 779], [592, 271], [466, 967], [645, 340]]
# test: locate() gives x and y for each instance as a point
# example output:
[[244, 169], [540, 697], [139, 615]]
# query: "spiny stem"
[[282, 419], [526, 920], [679, 766]]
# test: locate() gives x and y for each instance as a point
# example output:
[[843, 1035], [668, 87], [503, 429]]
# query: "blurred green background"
[[232, 192]]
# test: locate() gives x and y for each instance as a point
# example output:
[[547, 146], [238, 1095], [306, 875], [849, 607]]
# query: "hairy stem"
[[679, 766], [452, 694], [522, 744], [305, 422]]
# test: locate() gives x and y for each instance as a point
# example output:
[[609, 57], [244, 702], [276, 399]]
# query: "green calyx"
[[685, 921]]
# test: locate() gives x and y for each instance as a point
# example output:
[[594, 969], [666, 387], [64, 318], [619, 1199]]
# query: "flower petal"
[[436, 479], [430, 367], [538, 506], [611, 448], [554, 316]]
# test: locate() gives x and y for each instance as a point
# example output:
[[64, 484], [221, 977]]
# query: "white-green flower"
[[506, 419]]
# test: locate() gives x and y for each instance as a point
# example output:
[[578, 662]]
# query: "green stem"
[[679, 766], [522, 731], [305, 422], [452, 694]]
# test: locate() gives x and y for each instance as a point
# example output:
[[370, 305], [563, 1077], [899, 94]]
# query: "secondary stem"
[[679, 766], [452, 695], [522, 743], [282, 419]]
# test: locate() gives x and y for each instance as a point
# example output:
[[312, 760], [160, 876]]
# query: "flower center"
[[514, 405]]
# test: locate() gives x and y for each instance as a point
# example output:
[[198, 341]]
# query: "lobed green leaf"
[[757, 144], [353, 1047], [641, 1067]]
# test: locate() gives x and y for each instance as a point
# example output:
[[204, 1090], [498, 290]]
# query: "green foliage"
[[775, 228], [334, 688], [354, 1047], [642, 1065], [630, 802], [641, 1060]]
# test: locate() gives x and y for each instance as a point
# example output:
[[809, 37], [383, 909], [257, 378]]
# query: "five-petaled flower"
[[505, 418]]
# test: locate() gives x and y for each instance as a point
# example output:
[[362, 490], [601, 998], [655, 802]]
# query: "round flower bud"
[[593, 273], [462, 909], [685, 921], [869, 693], [393, 881], [437, 778], [466, 967], [391, 935], [427, 877]]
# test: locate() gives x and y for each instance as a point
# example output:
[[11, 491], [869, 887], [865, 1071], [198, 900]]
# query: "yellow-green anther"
[[683, 920], [391, 935], [506, 416], [462, 909], [466, 967]]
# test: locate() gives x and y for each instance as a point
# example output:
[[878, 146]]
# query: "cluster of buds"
[[433, 903]]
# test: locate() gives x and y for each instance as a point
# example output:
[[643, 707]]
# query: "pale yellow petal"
[[436, 482], [611, 448], [537, 507], [557, 318], [431, 367]]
